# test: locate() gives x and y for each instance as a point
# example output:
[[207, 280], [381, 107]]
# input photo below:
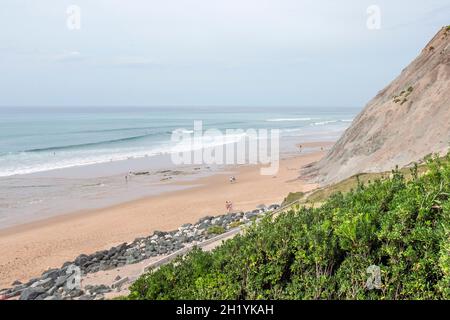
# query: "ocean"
[[61, 160], [42, 139]]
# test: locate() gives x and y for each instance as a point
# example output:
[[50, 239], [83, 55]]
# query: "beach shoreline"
[[28, 249]]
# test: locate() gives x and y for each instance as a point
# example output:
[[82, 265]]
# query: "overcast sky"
[[208, 52]]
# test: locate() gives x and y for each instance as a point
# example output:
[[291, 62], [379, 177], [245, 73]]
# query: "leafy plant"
[[401, 225], [235, 224], [216, 230]]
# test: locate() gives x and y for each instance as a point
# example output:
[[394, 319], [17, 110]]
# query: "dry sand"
[[28, 250]]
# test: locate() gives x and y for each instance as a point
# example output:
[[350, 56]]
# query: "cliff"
[[406, 121]]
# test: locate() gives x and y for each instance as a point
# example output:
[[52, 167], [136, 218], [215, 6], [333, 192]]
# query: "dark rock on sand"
[[32, 293]]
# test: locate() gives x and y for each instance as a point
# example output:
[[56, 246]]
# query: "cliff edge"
[[406, 121]]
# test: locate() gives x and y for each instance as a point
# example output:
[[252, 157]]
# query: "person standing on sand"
[[229, 206]]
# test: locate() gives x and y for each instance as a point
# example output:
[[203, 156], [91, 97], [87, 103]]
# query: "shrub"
[[235, 224], [216, 230], [292, 197]]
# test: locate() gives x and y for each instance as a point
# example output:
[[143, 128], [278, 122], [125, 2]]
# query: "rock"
[[122, 246], [119, 282], [32, 293], [99, 297], [76, 293], [97, 289], [45, 283], [12, 292], [41, 296], [160, 233], [204, 219], [52, 274], [29, 283], [81, 260], [86, 297], [70, 286], [104, 266], [250, 214], [61, 280], [117, 278], [51, 298], [274, 207], [111, 253], [51, 291]]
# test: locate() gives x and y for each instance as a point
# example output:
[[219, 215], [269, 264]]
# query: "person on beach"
[[232, 179]]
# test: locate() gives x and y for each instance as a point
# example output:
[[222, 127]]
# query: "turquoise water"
[[41, 139]]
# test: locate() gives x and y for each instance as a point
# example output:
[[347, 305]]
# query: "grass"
[[235, 224], [292, 197], [401, 98], [216, 230], [351, 183]]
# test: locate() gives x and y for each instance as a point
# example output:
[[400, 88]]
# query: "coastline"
[[29, 249]]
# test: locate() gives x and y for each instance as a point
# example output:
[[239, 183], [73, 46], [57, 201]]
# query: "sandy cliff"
[[406, 121]]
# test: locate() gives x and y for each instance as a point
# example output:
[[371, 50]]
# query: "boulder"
[[32, 293]]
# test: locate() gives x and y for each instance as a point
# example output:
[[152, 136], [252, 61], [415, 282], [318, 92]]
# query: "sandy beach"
[[29, 249]]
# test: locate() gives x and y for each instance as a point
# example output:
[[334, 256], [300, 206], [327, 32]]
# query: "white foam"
[[290, 119], [41, 162]]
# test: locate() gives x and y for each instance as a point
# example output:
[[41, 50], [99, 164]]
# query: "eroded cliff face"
[[406, 121]]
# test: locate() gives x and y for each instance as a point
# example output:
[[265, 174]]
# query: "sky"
[[208, 52]]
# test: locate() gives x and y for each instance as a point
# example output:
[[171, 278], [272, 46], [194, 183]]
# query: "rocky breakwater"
[[64, 283]]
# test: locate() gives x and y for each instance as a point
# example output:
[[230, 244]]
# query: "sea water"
[[59, 160], [42, 139]]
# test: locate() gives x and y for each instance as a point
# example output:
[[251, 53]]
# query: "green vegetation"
[[401, 98], [216, 230], [235, 224], [401, 225], [349, 184]]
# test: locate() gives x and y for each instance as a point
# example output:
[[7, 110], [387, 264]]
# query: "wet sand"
[[29, 249]]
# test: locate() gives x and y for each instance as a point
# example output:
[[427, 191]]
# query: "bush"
[[401, 226], [235, 224], [216, 230], [292, 197]]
